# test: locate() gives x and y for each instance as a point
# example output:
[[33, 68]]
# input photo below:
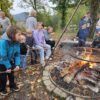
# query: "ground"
[[31, 84]]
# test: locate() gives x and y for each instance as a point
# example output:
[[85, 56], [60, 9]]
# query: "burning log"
[[87, 81], [79, 71]]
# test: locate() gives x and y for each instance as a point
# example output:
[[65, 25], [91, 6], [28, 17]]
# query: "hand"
[[33, 47], [84, 26], [8, 71], [77, 38], [16, 69]]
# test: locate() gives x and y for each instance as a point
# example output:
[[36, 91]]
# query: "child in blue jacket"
[[9, 58]]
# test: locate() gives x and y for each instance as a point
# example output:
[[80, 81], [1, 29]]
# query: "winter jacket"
[[9, 51]]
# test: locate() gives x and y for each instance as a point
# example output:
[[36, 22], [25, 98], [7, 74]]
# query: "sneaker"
[[4, 93], [15, 89]]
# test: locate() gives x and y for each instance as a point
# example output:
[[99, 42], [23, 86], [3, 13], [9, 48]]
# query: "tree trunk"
[[95, 4], [35, 5], [63, 16], [63, 23]]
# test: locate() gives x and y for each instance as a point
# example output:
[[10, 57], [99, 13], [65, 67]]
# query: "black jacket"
[[23, 48]]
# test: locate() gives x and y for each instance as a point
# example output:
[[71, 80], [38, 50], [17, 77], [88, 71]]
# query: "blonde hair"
[[32, 13], [22, 38], [29, 31]]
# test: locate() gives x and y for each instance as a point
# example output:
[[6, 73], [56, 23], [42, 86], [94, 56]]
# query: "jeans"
[[41, 51], [23, 61]]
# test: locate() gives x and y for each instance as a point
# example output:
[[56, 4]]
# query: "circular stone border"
[[51, 86]]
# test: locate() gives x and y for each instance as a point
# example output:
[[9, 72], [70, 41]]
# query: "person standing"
[[5, 22], [31, 21], [9, 58], [83, 32]]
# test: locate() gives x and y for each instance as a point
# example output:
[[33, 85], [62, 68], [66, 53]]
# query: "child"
[[30, 43], [9, 58], [47, 34], [96, 42], [40, 43], [23, 51]]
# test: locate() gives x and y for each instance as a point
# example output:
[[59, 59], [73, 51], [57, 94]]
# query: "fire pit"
[[79, 75]]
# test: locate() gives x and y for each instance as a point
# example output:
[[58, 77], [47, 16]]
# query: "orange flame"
[[87, 56]]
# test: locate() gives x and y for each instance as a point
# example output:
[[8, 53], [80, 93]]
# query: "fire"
[[87, 56]]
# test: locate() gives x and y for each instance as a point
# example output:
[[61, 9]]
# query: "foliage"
[[35, 4], [49, 20], [6, 5]]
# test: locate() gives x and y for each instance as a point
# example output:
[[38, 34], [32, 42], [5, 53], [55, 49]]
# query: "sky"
[[16, 9]]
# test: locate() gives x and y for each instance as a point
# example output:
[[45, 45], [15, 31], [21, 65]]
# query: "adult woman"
[[83, 32], [31, 21], [9, 58]]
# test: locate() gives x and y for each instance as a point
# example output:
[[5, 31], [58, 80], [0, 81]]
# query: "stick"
[[64, 30]]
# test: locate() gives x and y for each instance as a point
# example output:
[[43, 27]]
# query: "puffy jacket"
[[9, 51]]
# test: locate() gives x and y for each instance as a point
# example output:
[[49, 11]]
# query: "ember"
[[81, 74]]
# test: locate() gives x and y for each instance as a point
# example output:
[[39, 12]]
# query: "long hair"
[[12, 31]]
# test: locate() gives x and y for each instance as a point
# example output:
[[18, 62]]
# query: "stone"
[[47, 82], [50, 87], [60, 92], [46, 73], [45, 78], [77, 98]]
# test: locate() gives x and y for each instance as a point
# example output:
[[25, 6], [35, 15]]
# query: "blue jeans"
[[23, 61], [41, 51]]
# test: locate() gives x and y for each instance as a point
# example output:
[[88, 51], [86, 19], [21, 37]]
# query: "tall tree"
[[35, 4], [6, 5], [61, 7], [95, 6]]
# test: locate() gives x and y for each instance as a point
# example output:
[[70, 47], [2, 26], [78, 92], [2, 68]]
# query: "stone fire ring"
[[52, 87]]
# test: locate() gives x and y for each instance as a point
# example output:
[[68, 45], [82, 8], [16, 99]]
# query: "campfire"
[[80, 74]]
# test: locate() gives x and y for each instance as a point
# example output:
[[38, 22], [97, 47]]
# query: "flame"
[[87, 56]]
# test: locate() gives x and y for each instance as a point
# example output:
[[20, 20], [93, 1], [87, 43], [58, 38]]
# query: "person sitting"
[[9, 58], [96, 42], [47, 35], [40, 43], [30, 43], [23, 51]]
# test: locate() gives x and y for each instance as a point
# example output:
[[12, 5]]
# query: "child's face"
[[29, 35], [22, 39], [50, 30], [18, 36], [39, 26]]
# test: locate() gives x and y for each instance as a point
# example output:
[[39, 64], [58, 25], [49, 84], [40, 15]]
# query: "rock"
[[60, 92], [46, 73]]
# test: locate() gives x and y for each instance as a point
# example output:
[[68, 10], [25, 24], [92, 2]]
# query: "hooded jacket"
[[8, 51]]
